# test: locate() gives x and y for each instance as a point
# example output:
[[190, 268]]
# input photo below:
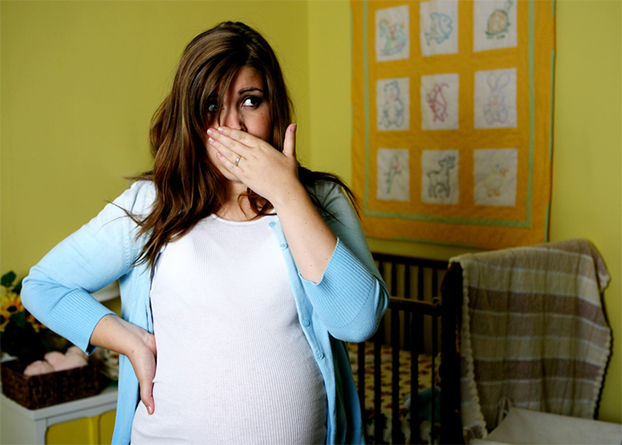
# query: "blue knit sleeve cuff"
[[348, 299]]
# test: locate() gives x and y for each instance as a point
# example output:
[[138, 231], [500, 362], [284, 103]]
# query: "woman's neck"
[[237, 207], [236, 211]]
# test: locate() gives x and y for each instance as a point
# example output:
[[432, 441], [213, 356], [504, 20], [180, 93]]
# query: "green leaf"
[[8, 278], [18, 287], [19, 318]]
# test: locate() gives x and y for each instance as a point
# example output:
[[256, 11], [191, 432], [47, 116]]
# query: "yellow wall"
[[587, 155], [80, 81], [587, 168]]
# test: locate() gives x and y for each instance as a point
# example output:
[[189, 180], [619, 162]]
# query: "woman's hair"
[[188, 186]]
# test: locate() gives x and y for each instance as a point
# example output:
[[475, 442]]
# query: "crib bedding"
[[424, 381]]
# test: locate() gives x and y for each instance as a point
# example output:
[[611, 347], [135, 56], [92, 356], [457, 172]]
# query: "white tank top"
[[233, 364]]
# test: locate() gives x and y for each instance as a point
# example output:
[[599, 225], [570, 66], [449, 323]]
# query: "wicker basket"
[[39, 391]]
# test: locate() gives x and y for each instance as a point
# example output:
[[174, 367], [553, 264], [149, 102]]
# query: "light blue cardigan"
[[346, 305]]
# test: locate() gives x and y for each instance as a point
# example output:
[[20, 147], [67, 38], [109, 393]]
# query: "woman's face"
[[244, 107]]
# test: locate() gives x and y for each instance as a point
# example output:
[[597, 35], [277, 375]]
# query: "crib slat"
[[394, 279], [378, 417], [414, 389], [434, 352], [420, 284], [361, 380], [396, 426], [418, 320], [407, 315]]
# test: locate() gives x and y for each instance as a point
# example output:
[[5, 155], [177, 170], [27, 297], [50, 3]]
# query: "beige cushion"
[[523, 426]]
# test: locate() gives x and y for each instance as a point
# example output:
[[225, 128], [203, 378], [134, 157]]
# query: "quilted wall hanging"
[[452, 115]]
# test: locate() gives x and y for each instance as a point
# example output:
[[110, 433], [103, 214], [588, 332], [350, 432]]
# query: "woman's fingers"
[[146, 374], [255, 162], [146, 395], [289, 144], [231, 143], [144, 362], [227, 163]]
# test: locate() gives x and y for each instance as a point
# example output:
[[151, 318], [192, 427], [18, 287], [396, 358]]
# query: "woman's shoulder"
[[138, 198], [324, 188]]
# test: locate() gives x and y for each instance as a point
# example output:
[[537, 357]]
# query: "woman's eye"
[[251, 101], [212, 107]]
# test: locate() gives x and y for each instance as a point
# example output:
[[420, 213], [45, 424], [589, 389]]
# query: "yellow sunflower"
[[10, 303]]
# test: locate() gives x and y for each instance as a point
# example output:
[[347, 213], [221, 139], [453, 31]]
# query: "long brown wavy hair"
[[188, 186]]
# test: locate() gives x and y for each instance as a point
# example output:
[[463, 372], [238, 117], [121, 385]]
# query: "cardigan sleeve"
[[351, 297], [58, 289]]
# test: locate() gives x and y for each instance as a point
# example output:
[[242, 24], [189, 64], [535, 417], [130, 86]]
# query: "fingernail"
[[221, 129], [150, 410], [210, 131], [293, 128], [211, 141]]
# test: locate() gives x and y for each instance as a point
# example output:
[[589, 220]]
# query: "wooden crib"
[[425, 312], [402, 360]]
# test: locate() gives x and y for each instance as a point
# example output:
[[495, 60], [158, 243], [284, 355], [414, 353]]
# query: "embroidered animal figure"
[[437, 102], [393, 108], [495, 110], [441, 26], [439, 186], [393, 171], [499, 21], [494, 181], [394, 37]]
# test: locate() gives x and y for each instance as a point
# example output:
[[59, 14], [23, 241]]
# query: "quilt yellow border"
[[427, 163]]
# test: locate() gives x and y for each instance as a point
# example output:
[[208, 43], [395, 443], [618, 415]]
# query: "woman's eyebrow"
[[249, 89]]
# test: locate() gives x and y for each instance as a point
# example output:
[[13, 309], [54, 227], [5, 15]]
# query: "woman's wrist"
[[118, 335], [292, 194]]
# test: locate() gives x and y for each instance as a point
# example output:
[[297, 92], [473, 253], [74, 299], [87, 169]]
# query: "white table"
[[25, 426]]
